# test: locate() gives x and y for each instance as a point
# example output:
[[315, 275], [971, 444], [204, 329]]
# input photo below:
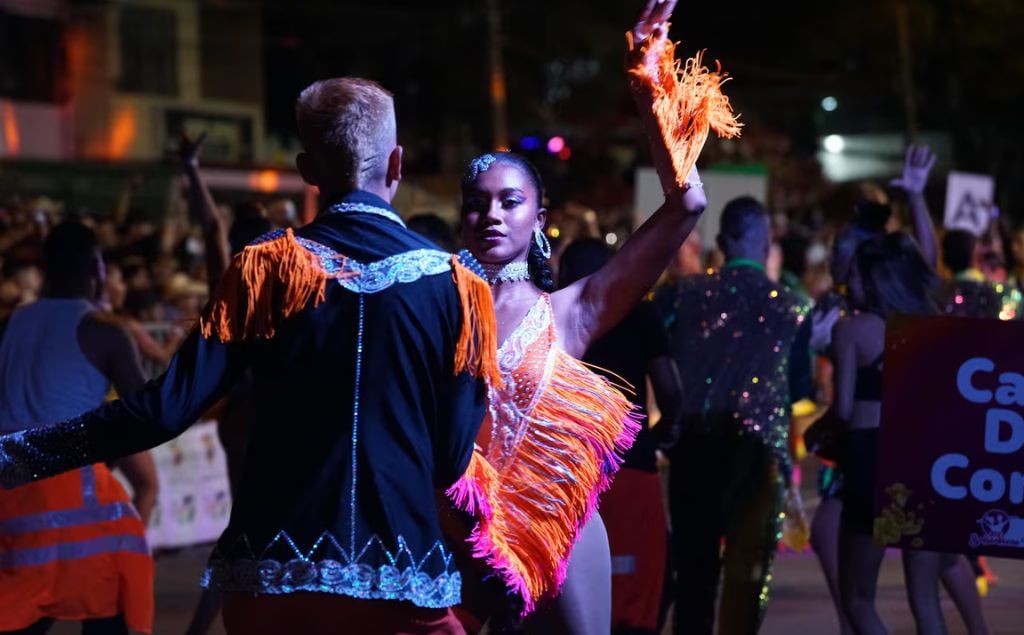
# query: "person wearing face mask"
[[557, 429]]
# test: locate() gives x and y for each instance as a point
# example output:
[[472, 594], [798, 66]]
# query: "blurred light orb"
[[529, 143], [555, 145], [611, 238], [834, 144], [829, 104]]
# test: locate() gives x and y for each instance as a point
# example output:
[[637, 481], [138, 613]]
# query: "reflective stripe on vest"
[[36, 556], [90, 512]]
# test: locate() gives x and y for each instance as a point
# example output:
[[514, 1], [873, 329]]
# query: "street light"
[[834, 144], [829, 104]]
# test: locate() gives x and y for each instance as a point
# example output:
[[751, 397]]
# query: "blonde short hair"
[[350, 123]]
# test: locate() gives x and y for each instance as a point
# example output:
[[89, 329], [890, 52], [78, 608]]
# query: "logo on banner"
[[999, 529]]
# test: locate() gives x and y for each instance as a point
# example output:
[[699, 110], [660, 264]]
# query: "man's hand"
[[188, 150], [916, 167]]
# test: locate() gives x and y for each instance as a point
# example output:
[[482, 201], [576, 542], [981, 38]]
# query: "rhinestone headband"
[[478, 166]]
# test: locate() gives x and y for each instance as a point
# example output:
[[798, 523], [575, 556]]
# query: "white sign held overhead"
[[969, 200], [720, 186]]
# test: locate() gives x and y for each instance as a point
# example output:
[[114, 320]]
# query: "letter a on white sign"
[[969, 201]]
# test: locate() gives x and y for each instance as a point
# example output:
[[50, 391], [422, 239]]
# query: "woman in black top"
[[888, 276]]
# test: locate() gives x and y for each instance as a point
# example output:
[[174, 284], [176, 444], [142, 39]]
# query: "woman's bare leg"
[[860, 560], [958, 578], [825, 543], [921, 570], [584, 607]]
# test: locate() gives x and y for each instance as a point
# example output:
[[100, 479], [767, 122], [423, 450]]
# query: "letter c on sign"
[[941, 466], [966, 372]]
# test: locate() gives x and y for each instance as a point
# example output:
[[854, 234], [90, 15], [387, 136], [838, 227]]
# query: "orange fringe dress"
[[557, 433], [558, 429]]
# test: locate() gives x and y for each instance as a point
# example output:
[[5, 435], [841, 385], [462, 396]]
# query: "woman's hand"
[[653, 19], [652, 23], [690, 199]]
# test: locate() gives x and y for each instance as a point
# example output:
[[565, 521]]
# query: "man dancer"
[[71, 546], [736, 338], [365, 345]]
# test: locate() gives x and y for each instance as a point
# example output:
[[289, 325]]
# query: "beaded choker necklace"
[[495, 274], [511, 272]]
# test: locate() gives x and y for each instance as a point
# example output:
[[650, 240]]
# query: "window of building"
[[33, 58], [149, 50]]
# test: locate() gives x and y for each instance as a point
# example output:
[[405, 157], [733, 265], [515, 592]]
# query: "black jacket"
[[358, 420]]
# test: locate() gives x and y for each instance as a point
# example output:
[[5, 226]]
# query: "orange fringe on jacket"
[[275, 280], [530, 512], [688, 102], [477, 348]]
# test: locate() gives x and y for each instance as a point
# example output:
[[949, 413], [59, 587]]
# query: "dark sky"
[[563, 60]]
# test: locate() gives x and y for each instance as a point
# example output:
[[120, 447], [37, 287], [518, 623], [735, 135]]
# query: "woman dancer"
[[888, 276], [873, 214], [556, 429]]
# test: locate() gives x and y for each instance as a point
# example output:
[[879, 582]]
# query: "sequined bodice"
[[554, 437], [523, 360]]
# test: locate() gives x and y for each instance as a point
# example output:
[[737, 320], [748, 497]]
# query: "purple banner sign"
[[951, 447]]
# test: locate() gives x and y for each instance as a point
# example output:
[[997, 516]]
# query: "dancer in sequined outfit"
[[366, 344], [557, 429], [552, 416], [737, 338]]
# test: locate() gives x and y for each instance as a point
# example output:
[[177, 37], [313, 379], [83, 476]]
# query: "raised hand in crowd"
[[917, 166], [203, 209]]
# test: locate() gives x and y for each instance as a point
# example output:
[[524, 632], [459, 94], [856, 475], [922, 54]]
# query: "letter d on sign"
[[967, 371], [994, 421]]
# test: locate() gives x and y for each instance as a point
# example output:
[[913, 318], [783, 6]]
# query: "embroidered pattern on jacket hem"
[[402, 577]]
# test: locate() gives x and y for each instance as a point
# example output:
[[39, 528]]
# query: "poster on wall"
[[950, 472], [195, 498]]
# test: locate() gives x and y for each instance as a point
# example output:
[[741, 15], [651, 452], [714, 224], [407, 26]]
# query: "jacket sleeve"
[[199, 374], [457, 433]]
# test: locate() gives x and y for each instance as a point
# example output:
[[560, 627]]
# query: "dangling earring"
[[542, 241]]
